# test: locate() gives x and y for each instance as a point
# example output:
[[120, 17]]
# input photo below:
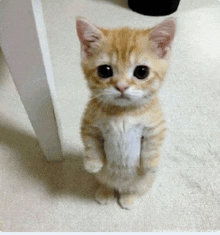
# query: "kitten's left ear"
[[161, 37], [89, 36]]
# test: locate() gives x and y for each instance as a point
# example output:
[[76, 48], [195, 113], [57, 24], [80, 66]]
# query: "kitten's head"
[[125, 67]]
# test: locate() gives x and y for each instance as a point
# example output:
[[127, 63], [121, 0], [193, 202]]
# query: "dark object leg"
[[154, 7]]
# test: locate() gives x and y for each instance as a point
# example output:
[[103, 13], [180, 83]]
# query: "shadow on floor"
[[66, 177], [122, 3], [3, 68]]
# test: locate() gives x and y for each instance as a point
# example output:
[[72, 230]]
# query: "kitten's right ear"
[[89, 36]]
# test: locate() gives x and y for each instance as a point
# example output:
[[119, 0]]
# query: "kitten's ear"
[[161, 37], [89, 36]]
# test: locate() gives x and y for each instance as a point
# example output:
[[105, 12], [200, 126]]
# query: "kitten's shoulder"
[[91, 113], [150, 115]]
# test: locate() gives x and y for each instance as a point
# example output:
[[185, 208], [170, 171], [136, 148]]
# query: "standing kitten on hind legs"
[[123, 125]]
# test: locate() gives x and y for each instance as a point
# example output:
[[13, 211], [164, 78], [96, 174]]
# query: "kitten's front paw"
[[93, 166]]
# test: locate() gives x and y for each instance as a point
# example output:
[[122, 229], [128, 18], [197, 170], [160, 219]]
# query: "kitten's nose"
[[120, 86]]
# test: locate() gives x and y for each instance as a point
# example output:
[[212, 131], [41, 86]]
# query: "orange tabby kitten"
[[123, 125]]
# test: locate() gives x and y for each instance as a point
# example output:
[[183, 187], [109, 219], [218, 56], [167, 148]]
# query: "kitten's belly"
[[123, 147]]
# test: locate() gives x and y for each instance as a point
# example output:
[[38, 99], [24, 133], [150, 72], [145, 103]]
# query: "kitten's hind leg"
[[127, 201], [104, 195]]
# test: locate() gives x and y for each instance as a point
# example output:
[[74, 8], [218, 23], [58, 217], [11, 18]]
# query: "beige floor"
[[59, 197]]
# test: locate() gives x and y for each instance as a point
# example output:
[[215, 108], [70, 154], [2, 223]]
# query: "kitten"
[[123, 125]]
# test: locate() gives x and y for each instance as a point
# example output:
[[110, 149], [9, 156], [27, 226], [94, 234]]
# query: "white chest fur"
[[122, 141]]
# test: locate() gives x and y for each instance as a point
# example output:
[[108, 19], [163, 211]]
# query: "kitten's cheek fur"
[[93, 166]]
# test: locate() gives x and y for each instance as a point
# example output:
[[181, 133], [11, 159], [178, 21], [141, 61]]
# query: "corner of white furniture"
[[24, 44]]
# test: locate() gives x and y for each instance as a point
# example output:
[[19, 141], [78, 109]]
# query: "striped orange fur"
[[123, 126]]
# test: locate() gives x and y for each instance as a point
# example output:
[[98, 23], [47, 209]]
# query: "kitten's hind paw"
[[93, 166], [104, 195], [127, 201]]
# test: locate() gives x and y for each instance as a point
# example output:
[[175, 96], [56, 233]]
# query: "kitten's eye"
[[105, 71], [141, 72]]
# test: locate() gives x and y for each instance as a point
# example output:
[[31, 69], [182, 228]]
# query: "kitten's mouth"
[[123, 97]]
